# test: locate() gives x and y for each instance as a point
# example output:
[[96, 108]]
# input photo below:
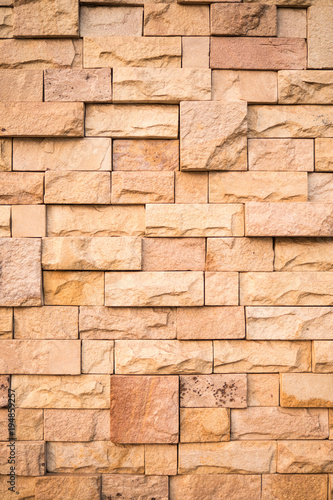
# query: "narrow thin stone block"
[[323, 155], [5, 155], [5, 231]]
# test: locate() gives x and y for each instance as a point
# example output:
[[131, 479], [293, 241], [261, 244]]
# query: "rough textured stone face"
[[209, 391], [5, 155], [320, 36], [4, 386], [303, 254], [5, 222], [177, 254], [281, 154], [145, 154], [292, 487], [124, 485], [161, 459], [30, 458], [174, 19], [307, 390], [204, 425], [110, 21], [242, 19], [47, 323], [77, 425], [291, 22], [305, 87], [221, 289], [6, 322], [77, 187], [20, 85], [323, 156], [132, 188], [322, 357], [305, 457], [220, 487], [55, 488], [97, 356], [73, 288], [249, 86], [263, 389], [6, 22], [23, 187]]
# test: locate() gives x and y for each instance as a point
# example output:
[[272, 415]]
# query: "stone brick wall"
[[166, 249]]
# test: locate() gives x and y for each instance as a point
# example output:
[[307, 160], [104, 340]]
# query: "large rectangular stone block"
[[249, 86], [243, 19], [77, 187], [305, 457], [110, 21], [320, 33], [219, 487], [136, 188], [307, 390], [73, 288], [145, 154], [174, 19], [77, 425], [303, 254], [57, 487], [281, 154], [47, 322], [88, 85], [294, 485], [210, 391], [305, 87], [173, 254], [21, 85]]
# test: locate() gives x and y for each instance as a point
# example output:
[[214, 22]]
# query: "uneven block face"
[[110, 21], [4, 386], [28, 221], [26, 486], [30, 458], [134, 188], [322, 357], [221, 289], [195, 53], [26, 188], [73, 288], [239, 254], [76, 425], [173, 254], [238, 20], [305, 87], [5, 155], [305, 457], [97, 356], [303, 254], [307, 390], [281, 154], [257, 53], [145, 155], [144, 409], [191, 187], [175, 19], [220, 487], [249, 86], [6, 22], [77, 187], [55, 488], [294, 486], [204, 425], [5, 221], [263, 389], [320, 187], [161, 459], [209, 391], [77, 85], [223, 145], [6, 322], [320, 36], [20, 85], [158, 52], [47, 323], [128, 485], [291, 23]]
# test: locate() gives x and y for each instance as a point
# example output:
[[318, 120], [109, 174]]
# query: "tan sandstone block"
[[191, 187], [330, 421], [28, 425], [198, 220], [76, 425], [30, 458], [243, 19], [163, 357], [206, 323], [6, 322], [132, 323], [142, 289], [174, 19], [4, 387], [20, 264], [21, 188], [5, 155], [294, 486], [307, 390], [40, 119], [158, 52], [195, 53], [173, 254], [47, 322], [292, 219], [77, 187], [95, 220], [278, 423], [135, 121], [263, 389], [209, 391], [126, 486], [5, 221], [239, 254], [138, 189], [306, 121], [322, 357], [291, 23], [40, 357], [219, 487], [320, 33], [61, 391], [223, 146], [234, 356], [281, 154], [249, 86], [146, 154], [6, 22], [240, 187], [161, 459], [54, 154], [57, 488], [305, 457], [320, 187], [200, 425], [25, 487], [21, 85], [97, 356], [303, 254], [97, 456], [305, 87], [221, 289], [28, 221], [89, 85], [73, 288], [235, 457], [97, 254], [323, 155], [110, 21]]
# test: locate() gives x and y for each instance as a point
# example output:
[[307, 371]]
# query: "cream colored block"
[[28, 221]]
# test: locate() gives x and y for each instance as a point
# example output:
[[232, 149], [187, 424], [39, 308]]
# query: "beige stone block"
[[95, 220], [95, 457], [281, 154], [29, 458], [239, 254], [28, 425], [20, 264], [320, 31], [57, 488], [162, 357], [142, 289], [206, 323], [235, 356], [323, 155], [21, 188], [145, 154], [305, 87], [6, 322], [249, 86], [289, 323], [97, 253], [174, 19], [219, 487], [6, 22], [223, 146], [141, 85], [73, 288], [89, 85], [235, 457], [131, 323], [307, 390], [330, 421], [110, 21], [322, 357], [198, 220], [278, 423], [38, 119], [292, 219], [209, 391], [28, 221], [158, 52], [136, 121], [303, 254], [243, 19], [204, 425], [291, 23], [161, 459], [124, 485], [76, 425], [191, 187], [173, 254], [320, 187], [25, 486], [54, 154], [263, 389], [34, 54], [5, 155], [61, 391], [294, 486], [221, 289], [4, 387], [47, 322], [305, 457], [77, 187], [40, 357], [308, 121], [21, 85], [38, 18], [97, 356], [5, 231], [195, 52], [137, 188]]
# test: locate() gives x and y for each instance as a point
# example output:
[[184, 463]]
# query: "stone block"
[[21, 85], [219, 487], [250, 86], [204, 425], [5, 155], [213, 391], [323, 155], [137, 189], [161, 459], [175, 19], [73, 288], [173, 254], [125, 485], [221, 289], [97, 356], [263, 389], [5, 231], [294, 486], [291, 23], [6, 22], [305, 87], [303, 254], [145, 154], [322, 358], [191, 187], [195, 53], [59, 487], [88, 85], [47, 322], [110, 21], [305, 457], [77, 187], [287, 155], [320, 31], [307, 390], [77, 425], [206, 323], [243, 19], [28, 221], [21, 188], [30, 458]]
